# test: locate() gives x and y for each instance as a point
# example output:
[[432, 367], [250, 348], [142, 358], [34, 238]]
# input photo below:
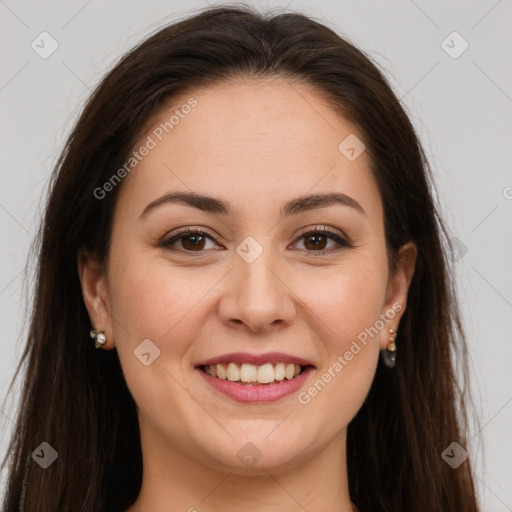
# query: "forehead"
[[244, 138]]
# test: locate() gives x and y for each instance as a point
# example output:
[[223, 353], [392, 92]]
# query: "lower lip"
[[257, 392]]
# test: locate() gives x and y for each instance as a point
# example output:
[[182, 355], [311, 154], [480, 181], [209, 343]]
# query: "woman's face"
[[253, 287]]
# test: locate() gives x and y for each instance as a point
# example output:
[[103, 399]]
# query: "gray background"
[[461, 107]]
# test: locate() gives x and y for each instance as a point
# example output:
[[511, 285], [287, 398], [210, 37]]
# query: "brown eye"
[[316, 240], [193, 242], [189, 241]]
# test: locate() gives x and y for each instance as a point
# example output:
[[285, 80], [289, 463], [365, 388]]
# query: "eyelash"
[[322, 230]]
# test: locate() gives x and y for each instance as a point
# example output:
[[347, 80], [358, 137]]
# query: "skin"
[[255, 145]]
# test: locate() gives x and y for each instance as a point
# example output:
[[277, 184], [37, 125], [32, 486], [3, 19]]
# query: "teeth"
[[266, 374], [233, 372], [221, 373], [289, 371], [250, 373], [279, 371]]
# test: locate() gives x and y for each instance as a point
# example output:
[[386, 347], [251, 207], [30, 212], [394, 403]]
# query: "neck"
[[316, 483]]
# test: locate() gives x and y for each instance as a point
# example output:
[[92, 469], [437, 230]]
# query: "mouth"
[[246, 377], [254, 375]]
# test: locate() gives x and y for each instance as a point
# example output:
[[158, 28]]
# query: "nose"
[[258, 297]]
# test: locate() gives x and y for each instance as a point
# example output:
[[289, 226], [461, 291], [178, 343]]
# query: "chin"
[[257, 453]]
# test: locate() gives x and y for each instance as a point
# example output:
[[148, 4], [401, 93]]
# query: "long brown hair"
[[75, 397]]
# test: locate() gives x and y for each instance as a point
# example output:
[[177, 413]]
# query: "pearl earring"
[[99, 338]]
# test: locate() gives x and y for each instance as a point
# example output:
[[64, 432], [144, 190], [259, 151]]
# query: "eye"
[[191, 240], [316, 239]]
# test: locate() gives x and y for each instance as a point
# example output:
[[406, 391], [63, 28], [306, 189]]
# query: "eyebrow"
[[218, 206]]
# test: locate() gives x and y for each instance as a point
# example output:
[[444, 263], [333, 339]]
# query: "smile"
[[251, 374], [246, 377]]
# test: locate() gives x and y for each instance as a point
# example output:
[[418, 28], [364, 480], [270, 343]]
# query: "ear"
[[397, 290], [95, 294]]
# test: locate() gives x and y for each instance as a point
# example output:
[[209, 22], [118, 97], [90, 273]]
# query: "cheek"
[[347, 338], [156, 301], [346, 308], [345, 301], [153, 301]]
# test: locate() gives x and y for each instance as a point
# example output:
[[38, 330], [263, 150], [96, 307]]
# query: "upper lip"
[[256, 359]]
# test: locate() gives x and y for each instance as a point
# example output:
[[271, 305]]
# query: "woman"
[[242, 221]]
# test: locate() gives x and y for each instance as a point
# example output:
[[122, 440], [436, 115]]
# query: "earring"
[[389, 354], [99, 338]]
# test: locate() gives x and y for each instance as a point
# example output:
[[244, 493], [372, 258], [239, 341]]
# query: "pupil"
[[317, 240], [196, 243]]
